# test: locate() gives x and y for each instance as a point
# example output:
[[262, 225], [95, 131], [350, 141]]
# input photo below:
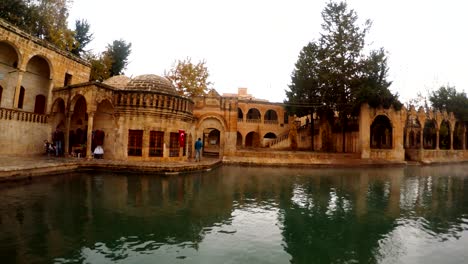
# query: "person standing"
[[198, 147], [57, 137]]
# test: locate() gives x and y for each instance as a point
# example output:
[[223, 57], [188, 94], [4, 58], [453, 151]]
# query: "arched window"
[[240, 115], [39, 105], [21, 98], [381, 133]]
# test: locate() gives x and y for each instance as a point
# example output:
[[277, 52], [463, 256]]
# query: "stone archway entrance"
[[211, 142], [212, 132]]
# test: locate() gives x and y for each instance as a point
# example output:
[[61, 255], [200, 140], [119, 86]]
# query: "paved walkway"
[[19, 167]]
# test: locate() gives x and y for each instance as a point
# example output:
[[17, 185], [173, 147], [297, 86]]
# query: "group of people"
[[56, 146]]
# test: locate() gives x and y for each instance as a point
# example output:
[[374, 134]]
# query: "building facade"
[[43, 89]]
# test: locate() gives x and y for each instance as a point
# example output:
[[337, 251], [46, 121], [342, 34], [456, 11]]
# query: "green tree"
[[117, 53], [188, 78], [18, 13], [447, 98], [100, 66], [109, 63], [82, 37], [333, 73]]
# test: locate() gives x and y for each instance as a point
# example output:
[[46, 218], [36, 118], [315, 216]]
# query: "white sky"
[[255, 43]]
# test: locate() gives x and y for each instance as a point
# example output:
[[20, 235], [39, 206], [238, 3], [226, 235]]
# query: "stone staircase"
[[282, 141]]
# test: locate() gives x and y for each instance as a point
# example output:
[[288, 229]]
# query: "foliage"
[[188, 78], [82, 37], [100, 66], [334, 74], [447, 98], [117, 53], [110, 62], [47, 20]]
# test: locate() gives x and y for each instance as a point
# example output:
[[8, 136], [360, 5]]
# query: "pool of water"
[[240, 215]]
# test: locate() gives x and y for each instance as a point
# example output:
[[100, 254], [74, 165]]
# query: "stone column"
[[464, 139], [451, 138], [67, 132], [90, 134], [49, 97], [364, 132], [145, 144], [437, 139], [421, 138], [18, 88]]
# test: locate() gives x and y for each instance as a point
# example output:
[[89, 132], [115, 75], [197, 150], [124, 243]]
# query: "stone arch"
[[239, 139], [268, 138], [413, 129], [253, 115], [205, 126], [104, 127], [36, 80], [458, 134], [252, 139], [240, 114], [429, 134], [57, 113], [444, 134], [381, 133], [9, 55], [78, 132], [271, 115]]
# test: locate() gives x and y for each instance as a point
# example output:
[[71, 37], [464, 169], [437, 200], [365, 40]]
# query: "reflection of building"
[[143, 118]]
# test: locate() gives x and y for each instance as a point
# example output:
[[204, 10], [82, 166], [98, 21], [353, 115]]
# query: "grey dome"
[[151, 82], [118, 81]]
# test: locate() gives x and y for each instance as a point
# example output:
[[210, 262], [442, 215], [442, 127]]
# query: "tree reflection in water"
[[240, 214]]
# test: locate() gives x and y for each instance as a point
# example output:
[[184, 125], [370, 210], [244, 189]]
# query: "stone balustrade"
[[18, 115]]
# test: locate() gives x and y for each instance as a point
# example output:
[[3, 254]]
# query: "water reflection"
[[240, 215]]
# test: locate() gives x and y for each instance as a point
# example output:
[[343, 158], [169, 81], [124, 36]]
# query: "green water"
[[240, 215]]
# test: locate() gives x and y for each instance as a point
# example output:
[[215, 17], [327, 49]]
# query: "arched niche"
[[381, 133]]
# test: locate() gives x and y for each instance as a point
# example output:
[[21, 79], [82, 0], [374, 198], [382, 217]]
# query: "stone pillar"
[[437, 139], [421, 138], [364, 131], [18, 88], [145, 144], [89, 138], [49, 97], [167, 138], [67, 132], [464, 139], [451, 138]]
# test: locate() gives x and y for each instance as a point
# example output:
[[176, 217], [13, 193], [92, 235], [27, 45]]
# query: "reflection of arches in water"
[[239, 139], [381, 133], [429, 134], [252, 139], [444, 135]]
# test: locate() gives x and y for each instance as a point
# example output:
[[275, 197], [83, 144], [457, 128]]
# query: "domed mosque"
[[140, 118]]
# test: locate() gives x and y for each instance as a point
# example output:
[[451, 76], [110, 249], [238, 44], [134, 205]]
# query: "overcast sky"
[[255, 43]]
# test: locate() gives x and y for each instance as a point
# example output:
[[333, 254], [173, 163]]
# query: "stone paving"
[[20, 167]]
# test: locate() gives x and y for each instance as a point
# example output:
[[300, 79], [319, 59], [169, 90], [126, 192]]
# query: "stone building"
[[43, 89], [29, 70]]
